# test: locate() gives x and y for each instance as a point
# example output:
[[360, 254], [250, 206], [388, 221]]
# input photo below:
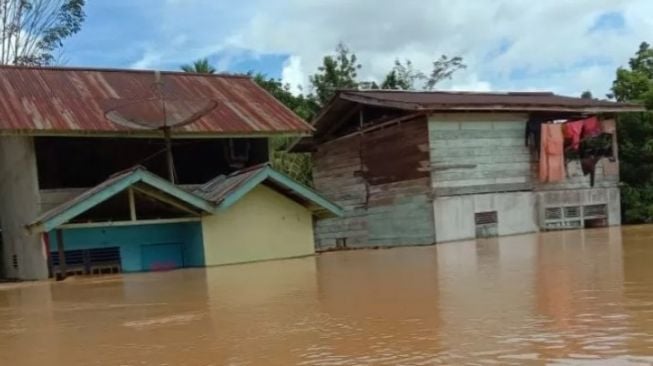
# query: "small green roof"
[[216, 195]]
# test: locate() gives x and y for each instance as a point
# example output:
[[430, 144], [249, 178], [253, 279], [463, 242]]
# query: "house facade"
[[58, 141], [414, 168]]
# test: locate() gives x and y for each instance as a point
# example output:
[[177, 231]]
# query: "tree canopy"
[[635, 84], [201, 66], [32, 30]]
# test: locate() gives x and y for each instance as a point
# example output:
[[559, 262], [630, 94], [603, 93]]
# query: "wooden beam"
[[331, 129], [379, 126], [129, 223], [132, 205], [62, 256], [158, 196]]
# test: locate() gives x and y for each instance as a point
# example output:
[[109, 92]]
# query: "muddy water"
[[557, 298]]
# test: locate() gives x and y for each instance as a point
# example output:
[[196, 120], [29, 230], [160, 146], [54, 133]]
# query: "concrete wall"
[[19, 205], [478, 153], [263, 225], [454, 215], [579, 198], [131, 239]]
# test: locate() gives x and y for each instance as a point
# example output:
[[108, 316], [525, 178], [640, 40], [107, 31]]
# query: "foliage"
[[635, 84], [339, 71], [201, 66], [586, 95], [403, 76], [32, 30], [443, 69], [297, 166]]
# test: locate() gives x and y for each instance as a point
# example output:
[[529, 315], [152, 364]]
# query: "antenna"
[[162, 111]]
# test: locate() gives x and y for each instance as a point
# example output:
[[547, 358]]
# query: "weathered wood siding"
[[478, 153], [382, 180]]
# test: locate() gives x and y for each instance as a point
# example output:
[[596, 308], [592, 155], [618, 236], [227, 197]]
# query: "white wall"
[[454, 215]]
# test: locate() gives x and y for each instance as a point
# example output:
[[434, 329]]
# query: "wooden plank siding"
[[382, 180], [479, 153]]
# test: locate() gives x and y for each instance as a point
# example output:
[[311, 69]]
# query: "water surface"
[[561, 298]]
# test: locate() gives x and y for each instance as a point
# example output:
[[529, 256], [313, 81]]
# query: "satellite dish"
[[160, 112]]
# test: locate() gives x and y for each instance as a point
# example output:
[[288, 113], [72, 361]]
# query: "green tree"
[[338, 71], [32, 30], [403, 76], [443, 69], [586, 94], [201, 66], [297, 166], [635, 84]]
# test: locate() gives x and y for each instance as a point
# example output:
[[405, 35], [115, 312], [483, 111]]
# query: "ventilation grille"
[[14, 261], [592, 211], [484, 218], [553, 213], [572, 212]]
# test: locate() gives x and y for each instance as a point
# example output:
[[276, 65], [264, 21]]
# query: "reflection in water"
[[572, 297]]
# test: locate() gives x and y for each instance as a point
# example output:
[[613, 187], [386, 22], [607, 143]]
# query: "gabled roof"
[[73, 101], [346, 104], [225, 191], [216, 195], [109, 188]]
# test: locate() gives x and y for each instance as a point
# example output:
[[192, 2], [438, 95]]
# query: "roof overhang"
[[136, 177]]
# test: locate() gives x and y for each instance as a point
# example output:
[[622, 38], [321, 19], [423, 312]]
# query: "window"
[[486, 224]]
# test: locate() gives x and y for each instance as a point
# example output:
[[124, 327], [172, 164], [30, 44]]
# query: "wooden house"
[[415, 168]]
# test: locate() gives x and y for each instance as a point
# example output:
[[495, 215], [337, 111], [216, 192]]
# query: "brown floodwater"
[[562, 298]]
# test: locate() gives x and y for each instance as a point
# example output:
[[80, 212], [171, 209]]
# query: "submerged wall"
[[381, 179], [133, 239], [23, 254], [263, 225]]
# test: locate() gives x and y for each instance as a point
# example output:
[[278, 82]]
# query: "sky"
[[519, 45]]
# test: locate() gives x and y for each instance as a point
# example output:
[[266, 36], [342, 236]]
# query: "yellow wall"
[[264, 224]]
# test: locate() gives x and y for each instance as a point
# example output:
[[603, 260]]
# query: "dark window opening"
[[71, 162], [486, 224], [596, 223]]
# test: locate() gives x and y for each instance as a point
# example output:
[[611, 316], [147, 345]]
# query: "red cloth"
[[572, 132], [552, 161], [591, 127]]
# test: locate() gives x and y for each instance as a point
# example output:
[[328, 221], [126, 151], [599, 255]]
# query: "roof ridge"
[[112, 69]]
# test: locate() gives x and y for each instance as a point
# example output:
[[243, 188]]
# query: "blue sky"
[[561, 46]]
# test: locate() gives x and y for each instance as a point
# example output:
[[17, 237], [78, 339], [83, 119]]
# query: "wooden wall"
[[382, 180], [479, 153]]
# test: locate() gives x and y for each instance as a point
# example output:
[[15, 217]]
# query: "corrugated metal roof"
[[218, 188], [516, 101], [74, 101], [224, 191]]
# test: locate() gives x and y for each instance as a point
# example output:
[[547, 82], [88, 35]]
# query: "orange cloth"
[[552, 162]]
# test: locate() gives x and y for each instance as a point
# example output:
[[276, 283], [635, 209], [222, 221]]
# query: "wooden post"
[[62, 256], [132, 205]]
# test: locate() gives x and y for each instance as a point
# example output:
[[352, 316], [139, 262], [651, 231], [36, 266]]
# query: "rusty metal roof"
[[486, 101], [73, 101], [225, 191]]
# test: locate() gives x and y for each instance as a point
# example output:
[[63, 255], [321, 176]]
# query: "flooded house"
[[83, 191], [413, 168]]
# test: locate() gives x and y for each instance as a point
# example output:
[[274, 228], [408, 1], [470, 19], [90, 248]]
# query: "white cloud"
[[507, 44]]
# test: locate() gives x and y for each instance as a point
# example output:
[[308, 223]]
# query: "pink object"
[[552, 164], [591, 127]]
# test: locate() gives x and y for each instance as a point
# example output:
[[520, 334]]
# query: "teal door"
[[162, 257]]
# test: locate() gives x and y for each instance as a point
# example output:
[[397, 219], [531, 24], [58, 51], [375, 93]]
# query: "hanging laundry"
[[592, 150], [591, 127], [533, 133], [552, 165], [572, 132]]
